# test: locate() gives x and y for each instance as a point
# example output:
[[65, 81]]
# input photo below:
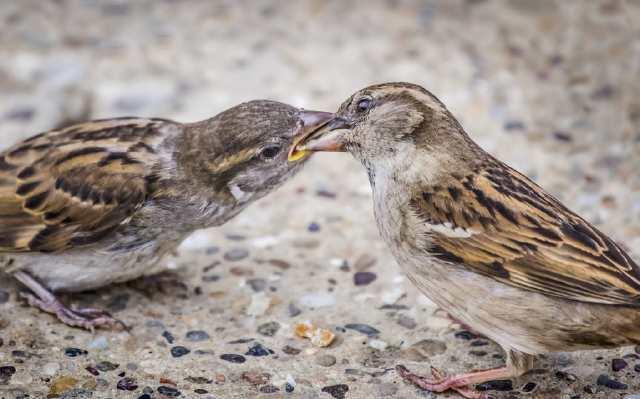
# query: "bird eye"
[[270, 151], [364, 105]]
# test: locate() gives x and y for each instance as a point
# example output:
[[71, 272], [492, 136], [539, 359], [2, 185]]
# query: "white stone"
[[317, 300]]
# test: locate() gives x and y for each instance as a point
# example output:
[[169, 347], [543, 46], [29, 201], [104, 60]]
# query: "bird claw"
[[87, 318], [439, 383]]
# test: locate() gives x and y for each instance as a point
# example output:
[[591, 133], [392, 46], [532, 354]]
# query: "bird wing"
[[500, 224], [72, 187]]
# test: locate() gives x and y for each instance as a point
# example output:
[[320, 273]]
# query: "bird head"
[[385, 124], [243, 150]]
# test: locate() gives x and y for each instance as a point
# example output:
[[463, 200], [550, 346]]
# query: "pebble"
[[294, 310], [479, 342], [6, 372], [407, 322], [199, 380], [258, 350], [260, 303], [179, 351], [325, 360], [236, 254], [256, 378], [269, 329], [269, 389], [363, 328], [197, 336], [49, 369], [514, 125], [257, 284], [378, 344], [75, 352], [364, 278], [319, 336], [107, 366], [618, 364], [92, 370], [127, 384], [4, 296], [290, 350], [313, 227], [496, 385], [337, 391], [529, 387], [636, 368], [168, 336], [606, 381], [210, 278], [169, 391], [317, 300], [99, 343], [233, 358], [423, 350], [288, 387]]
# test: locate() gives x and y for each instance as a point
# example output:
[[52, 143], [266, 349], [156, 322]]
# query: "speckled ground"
[[550, 86]]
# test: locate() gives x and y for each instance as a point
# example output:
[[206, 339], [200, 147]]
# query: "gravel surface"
[[551, 87]]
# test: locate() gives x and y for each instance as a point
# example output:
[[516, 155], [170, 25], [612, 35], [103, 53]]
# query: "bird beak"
[[327, 137], [311, 121]]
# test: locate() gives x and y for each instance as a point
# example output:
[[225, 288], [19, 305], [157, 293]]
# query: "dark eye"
[[270, 152], [364, 105]]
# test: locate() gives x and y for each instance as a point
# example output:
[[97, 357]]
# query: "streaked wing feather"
[[524, 237], [71, 187]]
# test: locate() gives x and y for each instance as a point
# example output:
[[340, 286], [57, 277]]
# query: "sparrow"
[[105, 201], [480, 239]]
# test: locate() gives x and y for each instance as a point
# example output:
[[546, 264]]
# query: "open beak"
[[327, 137], [311, 121]]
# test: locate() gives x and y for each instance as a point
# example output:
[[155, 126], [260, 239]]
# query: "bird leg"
[[44, 300], [517, 364]]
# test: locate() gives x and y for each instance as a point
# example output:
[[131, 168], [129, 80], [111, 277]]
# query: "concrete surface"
[[551, 87]]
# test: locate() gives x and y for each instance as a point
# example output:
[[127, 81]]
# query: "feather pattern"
[[70, 187], [522, 236]]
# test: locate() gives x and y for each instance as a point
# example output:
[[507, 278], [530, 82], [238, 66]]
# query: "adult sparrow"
[[480, 239], [104, 201]]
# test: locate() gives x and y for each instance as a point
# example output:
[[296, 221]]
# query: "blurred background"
[[550, 87]]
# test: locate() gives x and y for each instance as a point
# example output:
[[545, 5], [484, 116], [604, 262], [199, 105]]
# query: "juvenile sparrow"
[[481, 240], [104, 201]]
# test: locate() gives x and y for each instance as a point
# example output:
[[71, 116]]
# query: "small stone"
[[606, 381], [260, 303], [61, 385], [236, 254], [423, 350], [210, 278], [337, 391], [407, 322], [465, 335], [325, 193], [496, 385], [325, 360], [529, 387], [199, 380], [168, 336], [269, 329], [233, 358], [179, 351], [257, 284], [364, 278], [294, 310], [636, 368], [127, 384], [75, 352], [92, 370], [288, 388], [269, 389], [319, 336], [378, 344], [200, 391], [258, 350], [99, 343], [618, 364], [107, 366], [561, 375], [240, 341], [256, 378], [317, 300], [197, 336], [279, 263], [4, 296], [514, 125], [479, 342], [169, 391], [6, 372], [363, 328], [290, 350], [563, 136], [313, 227]]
